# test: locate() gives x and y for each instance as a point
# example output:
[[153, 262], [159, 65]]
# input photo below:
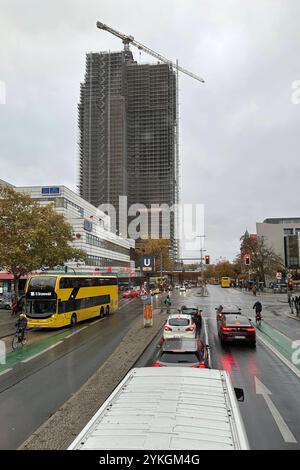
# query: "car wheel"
[[253, 344], [107, 310], [73, 320], [101, 312]]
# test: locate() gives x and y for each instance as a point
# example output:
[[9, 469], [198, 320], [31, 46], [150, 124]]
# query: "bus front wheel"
[[74, 319]]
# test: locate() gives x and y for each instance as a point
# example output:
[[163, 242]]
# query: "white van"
[[168, 408]]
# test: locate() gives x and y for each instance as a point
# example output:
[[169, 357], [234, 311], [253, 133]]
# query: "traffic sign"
[[147, 264]]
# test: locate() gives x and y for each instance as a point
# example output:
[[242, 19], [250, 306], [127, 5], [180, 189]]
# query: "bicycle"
[[19, 339], [258, 318]]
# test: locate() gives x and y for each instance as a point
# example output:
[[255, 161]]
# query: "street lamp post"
[[161, 274], [201, 264]]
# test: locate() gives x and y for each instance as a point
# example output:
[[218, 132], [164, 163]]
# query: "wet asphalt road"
[[245, 365], [33, 390]]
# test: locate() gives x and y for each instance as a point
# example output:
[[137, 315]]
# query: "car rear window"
[[179, 358], [189, 311], [179, 322]]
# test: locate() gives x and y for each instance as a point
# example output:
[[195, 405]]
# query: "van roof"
[[167, 408]]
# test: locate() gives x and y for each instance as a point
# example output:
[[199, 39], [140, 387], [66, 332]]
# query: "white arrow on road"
[[261, 389]]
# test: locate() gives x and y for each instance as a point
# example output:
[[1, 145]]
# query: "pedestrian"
[[254, 289], [168, 303], [198, 321]]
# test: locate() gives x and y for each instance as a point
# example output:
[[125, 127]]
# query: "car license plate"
[[239, 337]]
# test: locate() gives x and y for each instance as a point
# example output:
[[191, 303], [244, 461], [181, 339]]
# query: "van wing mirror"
[[239, 393]]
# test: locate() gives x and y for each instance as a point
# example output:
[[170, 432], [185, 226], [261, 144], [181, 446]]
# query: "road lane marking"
[[97, 321], [207, 342], [124, 305], [4, 371], [42, 352], [279, 355], [261, 389], [77, 331]]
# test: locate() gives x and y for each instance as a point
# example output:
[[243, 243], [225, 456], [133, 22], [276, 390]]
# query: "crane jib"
[[130, 40]]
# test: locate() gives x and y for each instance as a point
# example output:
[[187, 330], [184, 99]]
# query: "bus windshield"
[[41, 307], [42, 282]]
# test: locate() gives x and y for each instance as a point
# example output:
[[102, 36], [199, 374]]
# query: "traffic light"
[[206, 257], [247, 260]]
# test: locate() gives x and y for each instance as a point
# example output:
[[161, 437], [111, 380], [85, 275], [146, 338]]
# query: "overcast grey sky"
[[239, 132]]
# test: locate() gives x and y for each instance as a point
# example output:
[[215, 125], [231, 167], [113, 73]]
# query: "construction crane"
[[130, 40]]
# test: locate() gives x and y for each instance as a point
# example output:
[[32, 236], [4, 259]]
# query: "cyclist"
[[258, 309], [21, 326]]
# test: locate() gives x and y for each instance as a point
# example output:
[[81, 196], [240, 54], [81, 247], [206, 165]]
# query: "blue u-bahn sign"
[[148, 264]]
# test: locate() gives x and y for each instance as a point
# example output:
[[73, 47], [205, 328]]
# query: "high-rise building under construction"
[[127, 122]]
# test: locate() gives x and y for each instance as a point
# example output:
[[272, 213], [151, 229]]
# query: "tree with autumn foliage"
[[155, 248], [32, 236], [264, 260]]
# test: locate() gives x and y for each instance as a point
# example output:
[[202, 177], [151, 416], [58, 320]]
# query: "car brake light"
[[227, 328], [190, 328], [250, 329], [201, 366], [156, 364], [168, 328]]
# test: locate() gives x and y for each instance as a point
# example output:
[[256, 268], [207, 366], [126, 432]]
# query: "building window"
[[291, 245], [101, 262], [107, 245], [288, 231]]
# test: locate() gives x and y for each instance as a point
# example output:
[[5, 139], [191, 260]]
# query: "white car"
[[177, 286], [182, 289], [179, 326]]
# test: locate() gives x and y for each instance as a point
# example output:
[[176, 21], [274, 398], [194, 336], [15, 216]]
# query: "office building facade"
[[283, 235], [105, 250]]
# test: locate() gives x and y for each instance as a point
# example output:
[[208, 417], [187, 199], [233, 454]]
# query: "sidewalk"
[[7, 323]]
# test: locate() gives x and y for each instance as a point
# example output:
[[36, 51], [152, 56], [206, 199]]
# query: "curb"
[[69, 419], [293, 317]]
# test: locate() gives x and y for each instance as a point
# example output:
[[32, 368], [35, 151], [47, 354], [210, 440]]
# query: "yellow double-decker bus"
[[53, 301], [225, 281]]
